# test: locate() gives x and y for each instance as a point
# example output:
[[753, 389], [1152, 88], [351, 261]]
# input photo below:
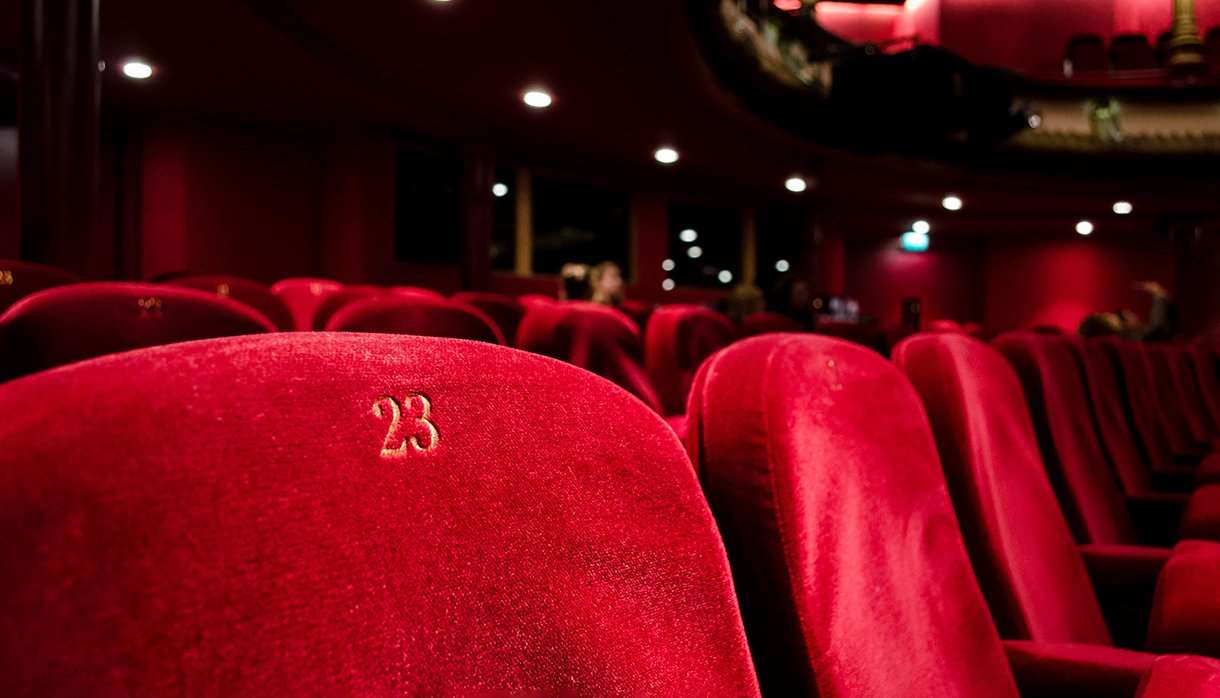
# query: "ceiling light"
[[952, 202], [666, 155], [922, 227], [796, 185], [499, 190], [137, 70], [538, 99], [688, 236], [1122, 208], [695, 252], [1034, 120], [668, 285], [782, 266], [668, 265], [915, 242], [1084, 228], [725, 276]]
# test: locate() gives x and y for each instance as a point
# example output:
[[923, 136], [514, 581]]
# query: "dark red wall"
[[947, 279]]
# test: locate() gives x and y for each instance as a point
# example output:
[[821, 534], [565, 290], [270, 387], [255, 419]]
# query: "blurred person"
[[744, 301], [574, 282], [790, 296], [606, 284], [1124, 323]]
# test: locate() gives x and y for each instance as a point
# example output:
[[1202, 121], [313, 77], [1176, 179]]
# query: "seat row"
[[377, 514]]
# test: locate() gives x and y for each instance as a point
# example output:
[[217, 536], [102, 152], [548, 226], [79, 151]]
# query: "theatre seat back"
[[1172, 365], [416, 315], [71, 323], [1106, 393], [820, 468], [1204, 358], [1141, 400], [1186, 433], [678, 339], [505, 311], [1019, 541], [252, 293], [767, 322], [303, 296], [1059, 407], [334, 302], [341, 514], [19, 279]]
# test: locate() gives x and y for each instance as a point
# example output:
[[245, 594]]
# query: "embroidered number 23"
[[409, 432]]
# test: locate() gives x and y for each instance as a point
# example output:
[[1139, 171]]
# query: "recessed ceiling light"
[[694, 252], [688, 235], [666, 155], [725, 276], [921, 227], [668, 285], [537, 99], [668, 265], [796, 184], [952, 202], [1084, 228], [782, 266], [499, 190], [137, 70], [1122, 208]]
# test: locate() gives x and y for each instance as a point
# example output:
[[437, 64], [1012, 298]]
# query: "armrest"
[[1186, 610], [1046, 670], [1125, 580], [1181, 676], [1157, 516]]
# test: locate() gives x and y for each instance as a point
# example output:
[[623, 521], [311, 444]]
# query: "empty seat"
[[353, 515], [335, 301], [1182, 676], [767, 322], [819, 465], [1132, 52], [1204, 359], [252, 293], [529, 300], [1033, 575], [505, 311], [1087, 52], [303, 296], [19, 279], [949, 326], [416, 292], [678, 339], [1172, 364], [638, 311], [417, 315], [1165, 439], [595, 337], [70, 323]]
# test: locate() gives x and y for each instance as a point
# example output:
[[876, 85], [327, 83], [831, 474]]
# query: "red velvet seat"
[[678, 339], [70, 323], [303, 296], [1204, 360], [819, 465], [1034, 576], [767, 322], [1153, 407], [416, 292], [19, 279], [323, 514], [1088, 491], [1172, 364], [1177, 676], [336, 301], [529, 300], [595, 337], [251, 293], [505, 311], [949, 326], [416, 315], [639, 311]]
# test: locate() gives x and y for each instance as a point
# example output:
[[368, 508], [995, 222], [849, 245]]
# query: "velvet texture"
[[767, 323], [505, 311], [19, 279], [240, 530], [1204, 360], [1175, 360], [303, 296], [1019, 541], [1045, 670], [595, 337], [678, 339], [335, 302], [1179, 676], [415, 292], [1186, 615], [1173, 397], [417, 315], [251, 293], [70, 323], [1153, 408], [639, 312], [821, 471]]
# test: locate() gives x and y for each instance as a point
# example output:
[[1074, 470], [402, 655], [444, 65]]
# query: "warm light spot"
[[787, 5], [668, 285], [695, 252], [668, 265], [538, 99], [1084, 228], [921, 227], [666, 155], [952, 202], [688, 236], [137, 70], [499, 190], [1122, 208], [796, 184], [782, 266]]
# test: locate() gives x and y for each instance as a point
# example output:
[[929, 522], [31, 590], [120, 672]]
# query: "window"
[[578, 222], [704, 245], [428, 207]]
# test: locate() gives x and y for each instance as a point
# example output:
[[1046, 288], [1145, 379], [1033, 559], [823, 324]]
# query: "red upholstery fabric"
[[416, 315], [639, 311], [336, 301], [1022, 549], [240, 530], [678, 339], [949, 326], [594, 337], [505, 311], [303, 296], [531, 299], [19, 279], [1181, 676], [1204, 360], [767, 322], [251, 293], [1153, 403], [1186, 615], [1049, 670], [821, 471], [416, 292], [1176, 361], [70, 323], [1194, 430]]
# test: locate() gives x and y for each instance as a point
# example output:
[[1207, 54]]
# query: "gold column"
[[1185, 47], [523, 242]]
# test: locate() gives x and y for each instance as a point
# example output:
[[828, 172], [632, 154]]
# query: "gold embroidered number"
[[400, 440]]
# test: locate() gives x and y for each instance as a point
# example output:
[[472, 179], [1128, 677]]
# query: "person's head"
[[1100, 325], [606, 283], [574, 282], [743, 301]]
